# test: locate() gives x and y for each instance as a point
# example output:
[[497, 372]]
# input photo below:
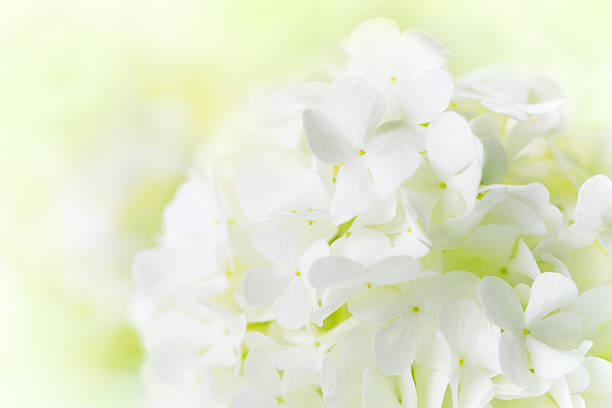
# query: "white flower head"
[[358, 247]]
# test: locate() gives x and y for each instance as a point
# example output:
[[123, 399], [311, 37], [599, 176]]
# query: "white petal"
[[475, 389], [421, 51], [355, 190], [296, 359], [262, 285], [579, 379], [394, 346], [493, 243], [266, 183], [594, 206], [467, 182], [449, 286], [333, 271], [355, 107], [333, 299], [513, 358], [380, 212], [294, 306], [410, 135], [368, 37], [260, 371], [501, 304], [561, 330], [396, 269], [191, 213], [431, 386], [278, 244], [391, 160], [549, 291], [303, 398], [551, 363], [252, 398], [174, 363], [378, 390], [318, 249], [460, 322], [514, 212], [600, 371], [599, 299], [561, 394], [605, 239], [423, 95], [495, 166], [325, 139], [523, 262], [451, 147], [364, 245], [377, 305]]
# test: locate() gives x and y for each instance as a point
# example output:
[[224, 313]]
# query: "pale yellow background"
[[101, 102]]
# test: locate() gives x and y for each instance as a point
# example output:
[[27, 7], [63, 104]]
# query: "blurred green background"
[[101, 103]]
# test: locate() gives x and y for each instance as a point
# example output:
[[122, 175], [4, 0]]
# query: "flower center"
[[361, 152], [393, 78], [461, 361], [298, 273], [369, 285], [416, 309], [525, 332], [442, 186]]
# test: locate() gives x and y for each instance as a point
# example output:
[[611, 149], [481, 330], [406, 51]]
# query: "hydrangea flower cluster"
[[349, 244]]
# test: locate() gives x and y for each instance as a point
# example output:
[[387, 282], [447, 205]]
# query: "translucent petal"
[[396, 269], [355, 190], [493, 243], [451, 147], [551, 363], [355, 107], [395, 345], [295, 305], [278, 244], [252, 398], [600, 371], [423, 95], [325, 139], [513, 358], [262, 285], [561, 330], [378, 390], [421, 51], [377, 305], [460, 322], [549, 291], [475, 388], [597, 299], [501, 304], [391, 160], [260, 371], [332, 271]]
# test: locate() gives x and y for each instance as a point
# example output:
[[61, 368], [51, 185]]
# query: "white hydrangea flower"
[[550, 340], [284, 283], [370, 166], [407, 68], [352, 244]]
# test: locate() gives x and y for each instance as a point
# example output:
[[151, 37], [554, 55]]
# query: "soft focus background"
[[102, 102]]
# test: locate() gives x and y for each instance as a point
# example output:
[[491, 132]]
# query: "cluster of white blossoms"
[[348, 244]]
